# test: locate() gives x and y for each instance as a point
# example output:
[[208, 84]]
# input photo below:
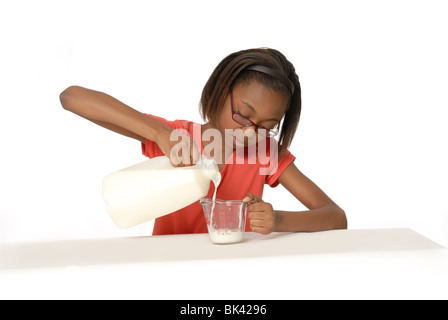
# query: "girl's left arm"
[[323, 213]]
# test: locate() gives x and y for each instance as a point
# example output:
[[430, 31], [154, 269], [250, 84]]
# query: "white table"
[[341, 264]]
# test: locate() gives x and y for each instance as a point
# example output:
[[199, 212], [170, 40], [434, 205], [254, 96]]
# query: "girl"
[[254, 90]]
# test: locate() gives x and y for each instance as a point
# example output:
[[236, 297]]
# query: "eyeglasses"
[[244, 121]]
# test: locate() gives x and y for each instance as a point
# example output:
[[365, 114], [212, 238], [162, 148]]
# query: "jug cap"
[[209, 166]]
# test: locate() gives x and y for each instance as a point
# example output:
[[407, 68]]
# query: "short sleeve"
[[283, 163]]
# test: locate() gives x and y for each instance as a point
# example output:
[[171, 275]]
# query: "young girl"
[[254, 90]]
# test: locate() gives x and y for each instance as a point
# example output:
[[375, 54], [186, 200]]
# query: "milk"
[[220, 237], [154, 188], [216, 182]]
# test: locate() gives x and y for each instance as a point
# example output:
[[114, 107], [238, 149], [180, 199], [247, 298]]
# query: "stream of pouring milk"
[[216, 181]]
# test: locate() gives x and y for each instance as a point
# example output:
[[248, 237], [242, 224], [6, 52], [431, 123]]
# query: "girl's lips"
[[237, 142]]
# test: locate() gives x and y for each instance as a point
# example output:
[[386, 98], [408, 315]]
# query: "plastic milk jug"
[[154, 188]]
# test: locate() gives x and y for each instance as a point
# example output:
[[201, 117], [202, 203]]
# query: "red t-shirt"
[[237, 180]]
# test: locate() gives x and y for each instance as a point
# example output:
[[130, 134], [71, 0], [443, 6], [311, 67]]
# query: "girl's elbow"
[[67, 95], [342, 222]]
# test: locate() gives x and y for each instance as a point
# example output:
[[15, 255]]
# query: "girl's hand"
[[180, 148], [262, 216]]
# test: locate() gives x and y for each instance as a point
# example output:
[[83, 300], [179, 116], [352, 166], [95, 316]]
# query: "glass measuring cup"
[[226, 219]]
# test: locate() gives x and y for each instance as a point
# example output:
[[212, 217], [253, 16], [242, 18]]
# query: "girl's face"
[[262, 105]]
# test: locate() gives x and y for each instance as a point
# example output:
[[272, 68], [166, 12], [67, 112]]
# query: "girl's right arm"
[[114, 115]]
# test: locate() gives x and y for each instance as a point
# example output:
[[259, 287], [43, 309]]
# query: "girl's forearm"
[[110, 112], [324, 218]]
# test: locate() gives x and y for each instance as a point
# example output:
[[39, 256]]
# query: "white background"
[[373, 131]]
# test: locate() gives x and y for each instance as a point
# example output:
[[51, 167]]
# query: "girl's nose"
[[250, 136], [250, 131]]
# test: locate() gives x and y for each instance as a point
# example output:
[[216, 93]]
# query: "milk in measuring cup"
[[225, 219], [217, 236]]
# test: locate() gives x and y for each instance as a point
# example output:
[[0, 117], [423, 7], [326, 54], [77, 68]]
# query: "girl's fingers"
[[174, 158], [183, 150], [261, 230], [195, 154], [251, 198], [248, 198], [186, 158], [256, 224], [258, 206], [254, 215]]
